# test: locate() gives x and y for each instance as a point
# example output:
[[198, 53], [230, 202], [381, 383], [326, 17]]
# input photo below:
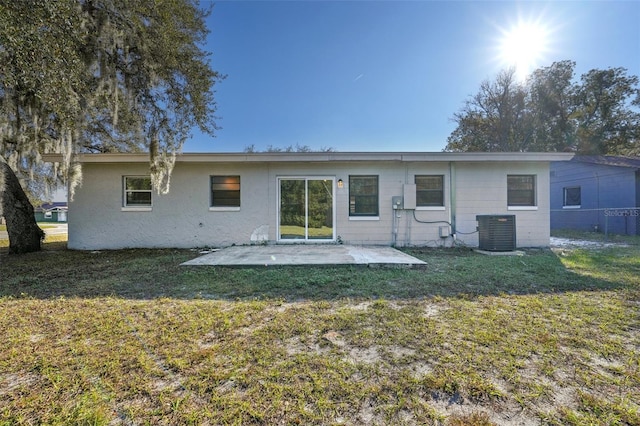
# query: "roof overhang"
[[324, 157]]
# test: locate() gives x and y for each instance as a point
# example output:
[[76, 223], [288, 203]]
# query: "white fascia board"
[[323, 157]]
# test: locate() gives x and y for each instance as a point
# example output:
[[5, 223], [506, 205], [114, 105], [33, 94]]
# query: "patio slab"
[[305, 255]]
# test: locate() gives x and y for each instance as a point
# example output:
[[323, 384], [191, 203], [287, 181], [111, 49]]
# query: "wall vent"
[[497, 232]]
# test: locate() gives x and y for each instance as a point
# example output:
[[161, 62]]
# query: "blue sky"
[[384, 75]]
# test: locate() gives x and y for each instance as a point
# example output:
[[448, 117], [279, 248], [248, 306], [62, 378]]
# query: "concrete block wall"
[[182, 218]]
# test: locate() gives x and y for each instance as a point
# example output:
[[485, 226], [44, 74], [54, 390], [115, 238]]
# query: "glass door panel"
[[320, 209], [292, 209]]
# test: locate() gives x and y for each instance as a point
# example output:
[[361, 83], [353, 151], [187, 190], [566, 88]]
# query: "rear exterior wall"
[[183, 218], [482, 190]]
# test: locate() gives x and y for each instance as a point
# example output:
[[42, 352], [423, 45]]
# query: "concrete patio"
[[305, 255]]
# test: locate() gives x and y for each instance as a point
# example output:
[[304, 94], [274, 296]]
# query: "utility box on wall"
[[496, 232], [409, 195]]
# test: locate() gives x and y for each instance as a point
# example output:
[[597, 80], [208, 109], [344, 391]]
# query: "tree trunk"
[[24, 234]]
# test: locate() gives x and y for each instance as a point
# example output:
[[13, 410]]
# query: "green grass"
[[48, 239], [131, 337], [41, 225], [292, 230]]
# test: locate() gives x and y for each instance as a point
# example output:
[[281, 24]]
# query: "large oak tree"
[[550, 111], [96, 76]]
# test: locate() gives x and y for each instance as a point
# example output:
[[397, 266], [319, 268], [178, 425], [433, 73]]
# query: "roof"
[[321, 157], [56, 205], [609, 160]]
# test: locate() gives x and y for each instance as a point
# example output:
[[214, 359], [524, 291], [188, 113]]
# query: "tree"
[[551, 112], [493, 119], [551, 105], [606, 119], [297, 148], [96, 76]]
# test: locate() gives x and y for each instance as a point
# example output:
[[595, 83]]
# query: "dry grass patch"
[[128, 337]]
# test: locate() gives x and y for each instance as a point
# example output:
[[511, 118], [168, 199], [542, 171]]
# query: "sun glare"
[[524, 47]]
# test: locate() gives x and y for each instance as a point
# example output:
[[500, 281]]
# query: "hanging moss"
[[100, 76]]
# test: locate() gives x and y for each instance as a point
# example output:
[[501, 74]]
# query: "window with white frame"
[[225, 191], [521, 190], [363, 195], [429, 190], [572, 197], [136, 191]]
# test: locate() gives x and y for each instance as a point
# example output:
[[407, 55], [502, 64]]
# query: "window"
[[225, 191], [363, 195], [137, 191], [572, 197], [521, 190], [429, 191]]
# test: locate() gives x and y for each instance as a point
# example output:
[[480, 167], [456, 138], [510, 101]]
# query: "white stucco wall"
[[182, 218]]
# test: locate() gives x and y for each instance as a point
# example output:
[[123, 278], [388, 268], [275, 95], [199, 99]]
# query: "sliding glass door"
[[306, 209]]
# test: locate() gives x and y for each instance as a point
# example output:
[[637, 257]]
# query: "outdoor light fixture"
[[340, 183]]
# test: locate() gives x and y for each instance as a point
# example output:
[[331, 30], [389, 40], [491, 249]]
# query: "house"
[[51, 212], [376, 198], [596, 193]]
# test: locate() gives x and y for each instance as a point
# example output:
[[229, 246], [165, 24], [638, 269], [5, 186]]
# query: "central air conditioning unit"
[[497, 232]]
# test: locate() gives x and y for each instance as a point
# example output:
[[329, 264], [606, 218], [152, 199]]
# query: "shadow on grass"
[[148, 274]]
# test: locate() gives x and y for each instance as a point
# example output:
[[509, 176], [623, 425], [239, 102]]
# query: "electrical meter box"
[[397, 203]]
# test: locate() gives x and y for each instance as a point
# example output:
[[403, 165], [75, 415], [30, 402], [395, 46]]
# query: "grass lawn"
[[48, 239], [291, 231], [130, 337], [41, 225]]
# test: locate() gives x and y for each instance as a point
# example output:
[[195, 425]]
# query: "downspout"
[[452, 199]]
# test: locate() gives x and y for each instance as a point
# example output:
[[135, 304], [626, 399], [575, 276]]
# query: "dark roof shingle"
[[609, 160]]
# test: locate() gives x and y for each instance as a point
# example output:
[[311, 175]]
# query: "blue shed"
[[596, 193]]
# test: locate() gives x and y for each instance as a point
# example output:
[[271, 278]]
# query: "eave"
[[325, 157]]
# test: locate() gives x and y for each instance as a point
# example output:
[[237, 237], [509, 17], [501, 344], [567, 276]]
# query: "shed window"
[[521, 190], [363, 195], [137, 191], [572, 197], [429, 191], [225, 191]]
